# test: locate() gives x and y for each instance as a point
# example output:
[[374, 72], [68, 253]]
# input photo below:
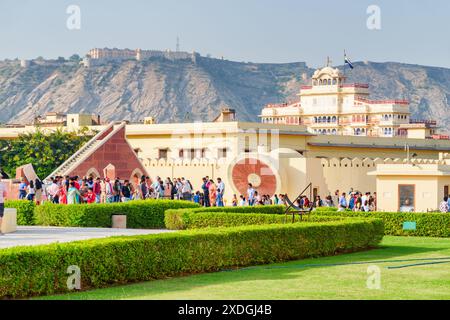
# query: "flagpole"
[[345, 55]]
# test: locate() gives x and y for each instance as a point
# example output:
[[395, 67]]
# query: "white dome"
[[327, 71]]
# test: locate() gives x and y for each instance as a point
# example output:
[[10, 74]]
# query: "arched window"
[[358, 131], [334, 82], [334, 131], [329, 119], [334, 119], [329, 82], [93, 172]]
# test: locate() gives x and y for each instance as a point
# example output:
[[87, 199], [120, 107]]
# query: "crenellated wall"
[[293, 173]]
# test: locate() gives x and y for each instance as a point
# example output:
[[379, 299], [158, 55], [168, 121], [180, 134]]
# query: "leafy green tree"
[[75, 58], [45, 151]]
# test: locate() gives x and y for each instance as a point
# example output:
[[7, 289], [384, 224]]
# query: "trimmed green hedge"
[[144, 214], [183, 219], [428, 224], [25, 211], [178, 219], [28, 271], [247, 209]]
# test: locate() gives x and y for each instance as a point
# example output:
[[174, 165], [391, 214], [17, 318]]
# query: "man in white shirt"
[[220, 192], [251, 195], [53, 191], [365, 198], [3, 195]]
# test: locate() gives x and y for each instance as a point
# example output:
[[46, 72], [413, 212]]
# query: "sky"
[[271, 31]]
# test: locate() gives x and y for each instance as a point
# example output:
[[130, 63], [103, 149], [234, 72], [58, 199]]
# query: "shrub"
[[28, 271], [247, 209], [144, 214], [427, 224], [25, 211], [183, 219], [327, 209]]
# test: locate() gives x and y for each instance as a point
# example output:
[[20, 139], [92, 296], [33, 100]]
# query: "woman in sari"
[[168, 189], [73, 195], [62, 195], [212, 193]]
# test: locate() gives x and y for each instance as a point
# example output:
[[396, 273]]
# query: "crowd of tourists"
[[75, 190]]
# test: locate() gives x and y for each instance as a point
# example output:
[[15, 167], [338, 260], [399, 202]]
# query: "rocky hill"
[[183, 90]]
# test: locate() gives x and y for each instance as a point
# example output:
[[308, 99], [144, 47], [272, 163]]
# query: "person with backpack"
[[205, 188], [186, 190], [174, 188], [109, 191], [117, 188], [126, 191], [159, 190]]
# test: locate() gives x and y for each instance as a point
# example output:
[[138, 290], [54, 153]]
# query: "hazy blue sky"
[[412, 31]]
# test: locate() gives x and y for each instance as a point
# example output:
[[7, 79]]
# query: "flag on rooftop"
[[348, 62]]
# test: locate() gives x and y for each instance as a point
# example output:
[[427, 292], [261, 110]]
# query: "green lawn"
[[305, 280]]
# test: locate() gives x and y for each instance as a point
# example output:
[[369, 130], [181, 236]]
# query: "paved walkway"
[[31, 236]]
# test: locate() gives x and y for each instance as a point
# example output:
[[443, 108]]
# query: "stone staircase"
[[82, 153]]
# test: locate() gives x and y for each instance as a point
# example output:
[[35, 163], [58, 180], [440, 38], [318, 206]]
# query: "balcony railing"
[[419, 121], [355, 85]]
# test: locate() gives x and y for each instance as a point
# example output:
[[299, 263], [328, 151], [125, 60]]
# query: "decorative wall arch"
[[137, 173], [94, 172], [356, 162], [346, 162], [325, 163], [335, 162], [110, 171]]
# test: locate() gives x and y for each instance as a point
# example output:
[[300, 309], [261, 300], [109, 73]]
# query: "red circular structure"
[[256, 172]]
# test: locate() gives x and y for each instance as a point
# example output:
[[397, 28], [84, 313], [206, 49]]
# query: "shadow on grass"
[[279, 271]]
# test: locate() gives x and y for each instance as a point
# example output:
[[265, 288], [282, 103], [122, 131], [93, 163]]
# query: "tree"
[[45, 151], [75, 58]]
